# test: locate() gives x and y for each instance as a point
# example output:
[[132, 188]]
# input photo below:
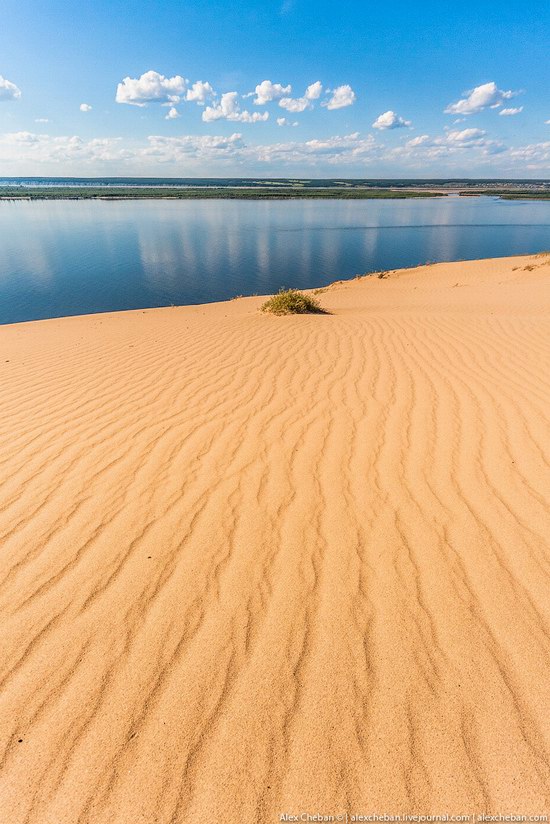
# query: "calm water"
[[74, 257]]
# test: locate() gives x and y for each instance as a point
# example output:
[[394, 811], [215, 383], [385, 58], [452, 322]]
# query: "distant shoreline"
[[236, 188], [256, 192], [208, 193]]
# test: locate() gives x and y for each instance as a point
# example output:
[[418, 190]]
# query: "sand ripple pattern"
[[253, 565]]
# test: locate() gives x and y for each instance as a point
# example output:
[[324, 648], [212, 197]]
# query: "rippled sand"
[[255, 565]]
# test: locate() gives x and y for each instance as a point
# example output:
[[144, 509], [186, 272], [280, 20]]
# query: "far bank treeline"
[[142, 193], [200, 193], [263, 189]]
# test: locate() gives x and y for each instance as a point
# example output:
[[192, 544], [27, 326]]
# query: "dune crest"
[[256, 565]]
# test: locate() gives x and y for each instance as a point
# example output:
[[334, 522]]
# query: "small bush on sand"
[[292, 302]]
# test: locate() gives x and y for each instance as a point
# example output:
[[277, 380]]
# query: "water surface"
[[75, 257]]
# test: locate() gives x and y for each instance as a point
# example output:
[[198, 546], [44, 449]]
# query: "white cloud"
[[390, 120], [453, 138], [533, 157], [150, 87], [547, 122], [192, 147], [43, 148], [341, 97], [339, 143], [199, 92], [266, 91], [228, 109], [450, 148], [418, 141], [41, 120], [8, 90], [457, 151], [345, 150], [21, 137], [465, 136], [283, 121], [169, 91], [510, 112], [295, 104], [482, 97], [314, 91], [173, 114], [85, 107], [300, 104]]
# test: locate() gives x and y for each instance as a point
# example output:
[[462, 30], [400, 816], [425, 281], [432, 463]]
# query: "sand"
[[255, 566]]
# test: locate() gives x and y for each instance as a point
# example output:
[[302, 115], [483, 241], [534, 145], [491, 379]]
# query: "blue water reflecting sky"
[[75, 257]]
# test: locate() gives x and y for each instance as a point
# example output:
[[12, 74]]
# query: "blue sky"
[[169, 88]]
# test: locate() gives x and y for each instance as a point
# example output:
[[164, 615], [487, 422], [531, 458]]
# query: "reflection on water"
[[74, 257]]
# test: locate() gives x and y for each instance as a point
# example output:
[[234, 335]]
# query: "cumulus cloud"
[[41, 120], [151, 86], [295, 104], [451, 146], [314, 91], [488, 95], [173, 114], [169, 91], [228, 109], [510, 112], [43, 153], [390, 120], [465, 136], [340, 143], [456, 138], [24, 138], [533, 157], [85, 107], [300, 104], [266, 91], [43, 148], [199, 92], [8, 90], [193, 147], [338, 150], [454, 151], [283, 121], [421, 140], [341, 97]]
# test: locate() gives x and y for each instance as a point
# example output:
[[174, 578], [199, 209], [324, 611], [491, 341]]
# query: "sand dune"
[[256, 565]]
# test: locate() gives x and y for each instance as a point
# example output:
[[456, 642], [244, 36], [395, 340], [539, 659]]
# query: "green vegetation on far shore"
[[524, 196], [287, 189], [201, 193], [507, 195]]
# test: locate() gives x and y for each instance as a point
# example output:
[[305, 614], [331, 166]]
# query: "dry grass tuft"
[[292, 302]]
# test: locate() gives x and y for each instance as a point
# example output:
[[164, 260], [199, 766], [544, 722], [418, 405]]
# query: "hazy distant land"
[[262, 189]]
